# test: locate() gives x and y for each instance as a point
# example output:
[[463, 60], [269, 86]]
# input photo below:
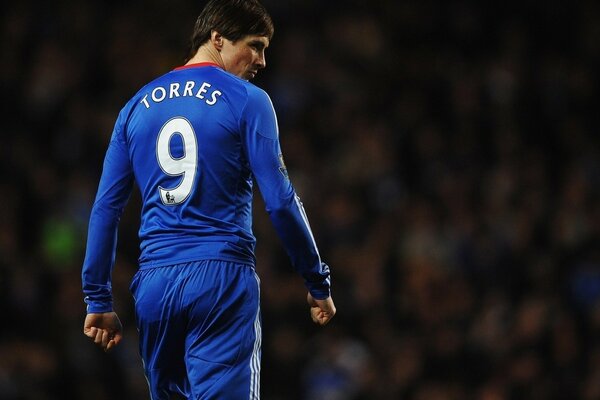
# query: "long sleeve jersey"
[[193, 141]]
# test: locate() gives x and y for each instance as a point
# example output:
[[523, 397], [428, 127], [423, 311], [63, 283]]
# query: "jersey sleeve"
[[261, 141], [113, 193]]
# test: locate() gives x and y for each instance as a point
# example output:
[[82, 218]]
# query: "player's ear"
[[217, 40]]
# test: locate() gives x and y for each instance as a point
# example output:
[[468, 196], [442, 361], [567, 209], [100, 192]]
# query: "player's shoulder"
[[249, 89], [129, 109], [243, 94], [142, 91], [154, 83], [257, 94], [256, 97]]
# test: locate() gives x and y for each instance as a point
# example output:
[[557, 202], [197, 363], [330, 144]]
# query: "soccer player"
[[193, 141]]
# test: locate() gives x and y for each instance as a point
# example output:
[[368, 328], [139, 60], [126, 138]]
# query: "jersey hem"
[[167, 263]]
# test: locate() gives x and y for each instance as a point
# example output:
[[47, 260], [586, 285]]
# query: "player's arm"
[[114, 190], [282, 203]]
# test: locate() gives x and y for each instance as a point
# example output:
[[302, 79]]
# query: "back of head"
[[233, 19]]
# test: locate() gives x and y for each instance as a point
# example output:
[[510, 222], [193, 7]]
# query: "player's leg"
[[161, 330], [223, 343]]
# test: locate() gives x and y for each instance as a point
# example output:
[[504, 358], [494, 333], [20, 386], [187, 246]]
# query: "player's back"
[[183, 137]]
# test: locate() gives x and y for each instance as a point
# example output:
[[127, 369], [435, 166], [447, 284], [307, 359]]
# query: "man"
[[193, 140]]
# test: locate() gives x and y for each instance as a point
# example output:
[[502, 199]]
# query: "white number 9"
[[185, 166]]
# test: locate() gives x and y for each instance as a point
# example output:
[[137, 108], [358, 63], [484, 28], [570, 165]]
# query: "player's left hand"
[[104, 329]]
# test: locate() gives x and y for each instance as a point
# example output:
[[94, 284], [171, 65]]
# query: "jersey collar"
[[202, 64]]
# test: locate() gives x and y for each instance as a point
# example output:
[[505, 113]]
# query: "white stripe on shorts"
[[255, 359]]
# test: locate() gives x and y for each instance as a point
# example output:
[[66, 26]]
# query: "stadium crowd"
[[447, 156]]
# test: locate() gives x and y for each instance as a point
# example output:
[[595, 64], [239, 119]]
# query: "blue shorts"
[[200, 330]]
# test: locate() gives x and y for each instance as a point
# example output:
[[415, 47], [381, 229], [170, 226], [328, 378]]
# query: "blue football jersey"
[[193, 141]]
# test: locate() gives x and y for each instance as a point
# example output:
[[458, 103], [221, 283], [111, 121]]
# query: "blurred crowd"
[[446, 154]]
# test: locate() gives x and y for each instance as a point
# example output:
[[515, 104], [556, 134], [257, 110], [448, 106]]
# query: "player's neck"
[[207, 54]]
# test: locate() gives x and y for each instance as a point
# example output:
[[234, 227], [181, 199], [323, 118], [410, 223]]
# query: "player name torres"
[[175, 89]]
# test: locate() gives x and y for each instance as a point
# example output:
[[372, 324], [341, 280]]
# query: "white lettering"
[[202, 90], [213, 98], [159, 93], [159, 99], [174, 92], [188, 88], [145, 101]]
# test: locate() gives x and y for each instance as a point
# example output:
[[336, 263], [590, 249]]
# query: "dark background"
[[447, 156]]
